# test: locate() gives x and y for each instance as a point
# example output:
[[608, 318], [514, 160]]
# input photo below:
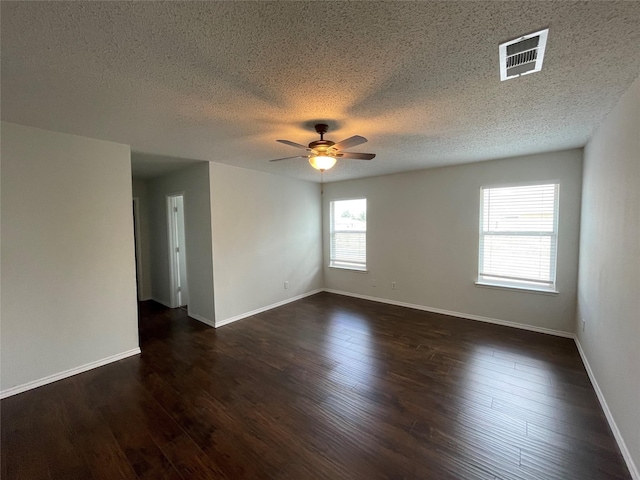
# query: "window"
[[348, 230], [519, 236]]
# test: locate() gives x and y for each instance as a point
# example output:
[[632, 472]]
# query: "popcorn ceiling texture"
[[221, 81]]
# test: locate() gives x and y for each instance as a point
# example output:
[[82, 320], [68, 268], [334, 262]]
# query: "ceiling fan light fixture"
[[323, 154], [322, 162]]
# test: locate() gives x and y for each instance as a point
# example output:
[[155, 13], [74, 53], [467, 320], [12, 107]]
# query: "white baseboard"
[[607, 412], [206, 321], [506, 323], [67, 373], [227, 321], [162, 302]]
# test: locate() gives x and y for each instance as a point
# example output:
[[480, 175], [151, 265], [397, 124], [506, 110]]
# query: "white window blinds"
[[518, 236], [348, 232]]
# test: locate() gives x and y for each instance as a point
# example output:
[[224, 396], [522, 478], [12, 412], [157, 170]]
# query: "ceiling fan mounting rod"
[[321, 146], [322, 128]]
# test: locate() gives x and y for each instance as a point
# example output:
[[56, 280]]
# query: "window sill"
[[538, 291], [351, 269]]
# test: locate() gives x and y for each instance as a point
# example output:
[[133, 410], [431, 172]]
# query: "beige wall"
[[193, 182], [266, 230], [68, 273], [609, 279], [422, 232]]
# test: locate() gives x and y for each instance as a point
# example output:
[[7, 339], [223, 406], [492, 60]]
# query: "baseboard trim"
[[506, 323], [161, 302], [67, 373], [229, 320], [206, 321], [607, 413]]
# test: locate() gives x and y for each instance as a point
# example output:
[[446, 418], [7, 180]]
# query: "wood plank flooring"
[[328, 387]]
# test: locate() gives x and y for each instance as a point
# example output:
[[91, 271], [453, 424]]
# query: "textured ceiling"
[[221, 81]]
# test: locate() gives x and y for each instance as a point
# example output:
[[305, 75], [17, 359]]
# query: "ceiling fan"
[[323, 154]]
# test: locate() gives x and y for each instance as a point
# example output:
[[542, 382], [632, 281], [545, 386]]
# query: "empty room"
[[320, 240]]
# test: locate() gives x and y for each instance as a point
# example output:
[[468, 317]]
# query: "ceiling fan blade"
[[288, 158], [349, 142], [293, 144], [356, 156]]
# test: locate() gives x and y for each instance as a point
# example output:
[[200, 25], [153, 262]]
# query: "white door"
[[177, 251]]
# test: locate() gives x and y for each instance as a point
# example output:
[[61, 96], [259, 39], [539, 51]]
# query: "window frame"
[[344, 264], [513, 283]]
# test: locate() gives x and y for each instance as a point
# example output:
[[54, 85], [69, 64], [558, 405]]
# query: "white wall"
[[68, 269], [609, 279], [266, 230], [140, 191], [193, 182], [422, 232]]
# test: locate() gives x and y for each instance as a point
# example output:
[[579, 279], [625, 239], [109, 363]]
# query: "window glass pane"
[[519, 209], [348, 247], [518, 257], [518, 235], [350, 215]]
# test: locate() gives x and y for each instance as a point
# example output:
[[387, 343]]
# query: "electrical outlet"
[[394, 285], [373, 282], [583, 324], [286, 284]]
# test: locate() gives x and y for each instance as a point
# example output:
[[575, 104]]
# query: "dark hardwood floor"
[[329, 387]]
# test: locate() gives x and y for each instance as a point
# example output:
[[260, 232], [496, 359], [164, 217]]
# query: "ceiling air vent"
[[523, 55]]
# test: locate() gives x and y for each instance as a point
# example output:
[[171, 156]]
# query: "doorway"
[[177, 251], [136, 244]]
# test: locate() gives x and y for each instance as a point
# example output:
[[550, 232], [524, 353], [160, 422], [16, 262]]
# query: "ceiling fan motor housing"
[[321, 145]]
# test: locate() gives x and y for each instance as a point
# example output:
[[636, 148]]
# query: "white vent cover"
[[523, 55]]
